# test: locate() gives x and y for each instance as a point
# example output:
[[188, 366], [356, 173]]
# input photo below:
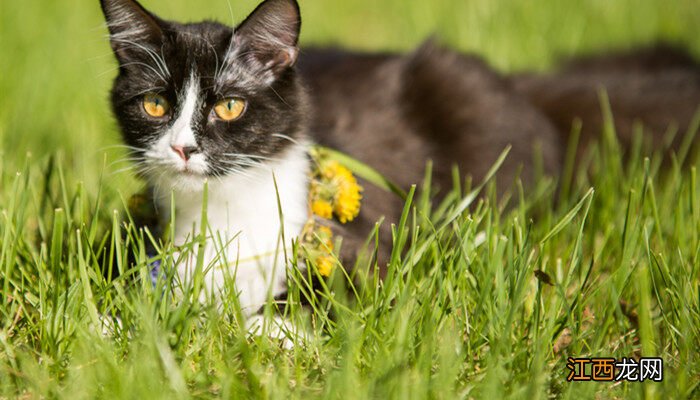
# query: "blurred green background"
[[56, 66]]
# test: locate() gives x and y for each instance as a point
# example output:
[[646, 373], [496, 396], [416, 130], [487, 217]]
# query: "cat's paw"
[[109, 325], [278, 328]]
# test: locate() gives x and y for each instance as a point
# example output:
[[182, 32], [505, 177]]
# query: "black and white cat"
[[238, 107], [200, 102]]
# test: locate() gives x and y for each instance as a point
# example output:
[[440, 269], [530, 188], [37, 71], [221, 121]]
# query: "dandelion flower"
[[333, 192], [322, 208], [346, 190], [347, 207], [326, 237], [334, 171], [324, 265], [347, 201]]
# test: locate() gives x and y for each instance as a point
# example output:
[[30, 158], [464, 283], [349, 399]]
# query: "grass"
[[465, 311]]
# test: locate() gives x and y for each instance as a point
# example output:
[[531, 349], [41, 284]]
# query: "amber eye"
[[155, 105], [230, 109]]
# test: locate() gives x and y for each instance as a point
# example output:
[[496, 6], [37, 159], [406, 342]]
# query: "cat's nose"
[[185, 151]]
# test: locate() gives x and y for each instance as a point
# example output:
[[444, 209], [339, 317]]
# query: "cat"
[[200, 102], [235, 111]]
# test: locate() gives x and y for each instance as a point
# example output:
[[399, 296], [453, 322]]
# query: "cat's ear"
[[270, 35], [132, 29]]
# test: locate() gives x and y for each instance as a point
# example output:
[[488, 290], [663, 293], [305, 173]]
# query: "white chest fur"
[[252, 220]]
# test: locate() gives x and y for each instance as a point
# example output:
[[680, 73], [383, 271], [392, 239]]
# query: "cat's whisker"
[[160, 74], [156, 160], [233, 170], [286, 137], [149, 90], [162, 58], [146, 172], [241, 163], [245, 160], [122, 170], [124, 160], [101, 74], [132, 157], [255, 162], [122, 146], [155, 163], [140, 166], [100, 57], [219, 179], [158, 59], [239, 174], [161, 77], [156, 167], [252, 161], [230, 12], [258, 157], [279, 96], [157, 189]]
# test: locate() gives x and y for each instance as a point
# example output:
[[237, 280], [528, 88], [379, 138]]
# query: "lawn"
[[483, 303]]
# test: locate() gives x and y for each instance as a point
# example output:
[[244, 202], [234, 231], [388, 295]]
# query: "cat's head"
[[204, 99]]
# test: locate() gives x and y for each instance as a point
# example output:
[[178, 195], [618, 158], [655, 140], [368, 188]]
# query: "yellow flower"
[[334, 171], [328, 169], [324, 265], [322, 208], [346, 197], [347, 201], [326, 236], [333, 192]]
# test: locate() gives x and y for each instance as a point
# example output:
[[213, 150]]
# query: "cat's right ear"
[[270, 34], [132, 29]]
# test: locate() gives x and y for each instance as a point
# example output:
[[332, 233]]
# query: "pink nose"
[[184, 151]]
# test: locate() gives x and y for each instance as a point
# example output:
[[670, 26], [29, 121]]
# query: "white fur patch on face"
[[168, 168], [181, 133]]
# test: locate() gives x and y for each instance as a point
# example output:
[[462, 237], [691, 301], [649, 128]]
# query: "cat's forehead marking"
[[182, 131], [195, 41], [236, 70]]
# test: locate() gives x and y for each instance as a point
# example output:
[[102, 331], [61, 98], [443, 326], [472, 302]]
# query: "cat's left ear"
[[132, 29], [270, 35]]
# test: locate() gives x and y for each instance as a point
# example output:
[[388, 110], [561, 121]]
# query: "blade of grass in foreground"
[[566, 220]]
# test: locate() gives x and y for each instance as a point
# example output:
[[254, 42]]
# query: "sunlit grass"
[[462, 312]]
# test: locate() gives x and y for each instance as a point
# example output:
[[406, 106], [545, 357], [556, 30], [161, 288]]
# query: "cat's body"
[[395, 111], [655, 88], [391, 111]]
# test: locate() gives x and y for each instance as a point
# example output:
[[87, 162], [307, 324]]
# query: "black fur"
[[395, 111]]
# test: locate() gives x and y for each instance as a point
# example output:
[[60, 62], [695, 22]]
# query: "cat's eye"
[[155, 105], [230, 109]]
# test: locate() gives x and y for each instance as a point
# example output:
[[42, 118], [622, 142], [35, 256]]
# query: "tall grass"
[[482, 299]]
